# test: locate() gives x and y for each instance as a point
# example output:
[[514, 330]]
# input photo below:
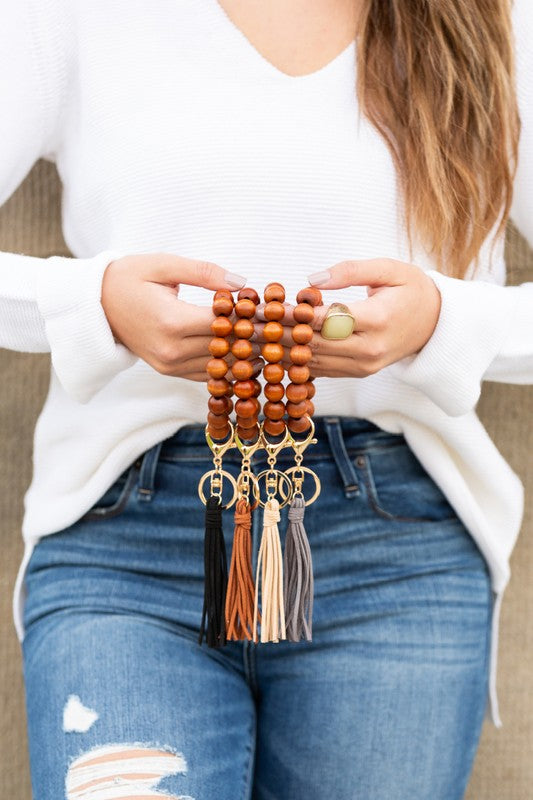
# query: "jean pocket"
[[399, 488], [115, 498]]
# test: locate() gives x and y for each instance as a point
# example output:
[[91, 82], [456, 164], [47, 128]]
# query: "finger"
[[365, 272], [336, 366], [174, 269]]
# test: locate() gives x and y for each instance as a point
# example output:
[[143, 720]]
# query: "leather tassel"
[[270, 561], [215, 568], [298, 581], [241, 590]]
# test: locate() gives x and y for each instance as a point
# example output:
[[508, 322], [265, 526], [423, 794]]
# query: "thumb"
[[366, 272], [174, 269]]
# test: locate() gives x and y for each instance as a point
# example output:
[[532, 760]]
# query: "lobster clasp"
[[218, 450], [247, 450], [273, 449], [301, 446]]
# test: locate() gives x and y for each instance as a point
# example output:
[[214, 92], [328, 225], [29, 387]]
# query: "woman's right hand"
[[139, 298]]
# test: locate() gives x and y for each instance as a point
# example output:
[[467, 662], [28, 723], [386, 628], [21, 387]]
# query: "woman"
[[202, 146]]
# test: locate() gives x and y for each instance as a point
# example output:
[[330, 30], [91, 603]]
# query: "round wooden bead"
[[310, 295], [274, 410], [303, 312], [310, 408], [222, 293], [296, 392], [245, 308], [219, 347], [243, 389], [302, 333], [298, 373], [248, 434], [220, 405], [257, 388], [311, 389], [272, 352], [299, 425], [274, 311], [243, 328], [221, 326], [242, 370], [274, 291], [247, 293], [218, 433], [216, 367], [273, 373], [297, 409], [217, 420], [301, 354], [274, 427], [229, 392], [217, 386], [273, 331], [247, 408], [223, 305], [274, 391], [241, 349]]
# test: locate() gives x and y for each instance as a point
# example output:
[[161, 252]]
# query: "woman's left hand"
[[395, 321]]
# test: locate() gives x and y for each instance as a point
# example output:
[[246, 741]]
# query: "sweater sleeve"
[[47, 304], [485, 331]]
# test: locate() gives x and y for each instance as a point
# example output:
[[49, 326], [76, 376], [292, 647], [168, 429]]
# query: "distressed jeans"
[[385, 703]]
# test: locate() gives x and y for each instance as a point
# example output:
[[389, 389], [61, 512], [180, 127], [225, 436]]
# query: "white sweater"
[[172, 133]]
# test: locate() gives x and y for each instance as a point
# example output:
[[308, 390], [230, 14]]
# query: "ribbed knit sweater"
[[172, 133]]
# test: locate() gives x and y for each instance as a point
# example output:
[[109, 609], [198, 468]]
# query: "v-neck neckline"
[[268, 66]]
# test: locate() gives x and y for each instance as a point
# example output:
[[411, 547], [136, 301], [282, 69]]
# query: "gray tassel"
[[298, 582]]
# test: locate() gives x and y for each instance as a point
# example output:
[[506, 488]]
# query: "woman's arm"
[[47, 304]]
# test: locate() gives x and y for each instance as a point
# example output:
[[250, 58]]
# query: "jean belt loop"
[[146, 486], [340, 454]]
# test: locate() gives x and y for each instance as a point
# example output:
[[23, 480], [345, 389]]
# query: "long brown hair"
[[436, 78]]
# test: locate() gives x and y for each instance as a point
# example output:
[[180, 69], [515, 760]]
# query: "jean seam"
[[118, 506]]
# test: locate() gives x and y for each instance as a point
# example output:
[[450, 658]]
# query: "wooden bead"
[[296, 392], [216, 367], [301, 354], [243, 328], [297, 409], [218, 433], [219, 347], [274, 291], [310, 295], [221, 326], [273, 331], [223, 305], [220, 405], [302, 333], [247, 408], [245, 308], [273, 373], [242, 370], [298, 373], [274, 410], [217, 420], [229, 392], [257, 388], [274, 311], [303, 312], [247, 293], [223, 293], [311, 389], [247, 422], [242, 349], [274, 391], [300, 425], [274, 427], [310, 408], [217, 386], [248, 434], [243, 389], [272, 352]]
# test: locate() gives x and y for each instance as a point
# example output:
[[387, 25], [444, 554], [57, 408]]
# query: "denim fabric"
[[385, 703]]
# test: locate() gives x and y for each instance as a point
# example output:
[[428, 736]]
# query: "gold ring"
[[339, 322]]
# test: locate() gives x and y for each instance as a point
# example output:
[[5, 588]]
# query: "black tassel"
[[216, 576]]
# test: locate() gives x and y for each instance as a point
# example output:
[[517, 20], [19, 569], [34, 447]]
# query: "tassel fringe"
[[270, 562], [215, 585], [240, 592], [298, 584]]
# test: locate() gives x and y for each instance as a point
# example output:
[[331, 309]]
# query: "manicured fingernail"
[[237, 281], [319, 277]]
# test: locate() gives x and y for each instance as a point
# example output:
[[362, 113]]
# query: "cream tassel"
[[270, 558]]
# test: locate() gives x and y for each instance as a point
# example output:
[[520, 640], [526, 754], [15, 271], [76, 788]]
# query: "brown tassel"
[[270, 558], [240, 592]]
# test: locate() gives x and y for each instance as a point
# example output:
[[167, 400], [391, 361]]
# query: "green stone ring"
[[339, 322]]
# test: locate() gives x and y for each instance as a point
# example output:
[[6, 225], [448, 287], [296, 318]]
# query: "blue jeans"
[[385, 703]]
